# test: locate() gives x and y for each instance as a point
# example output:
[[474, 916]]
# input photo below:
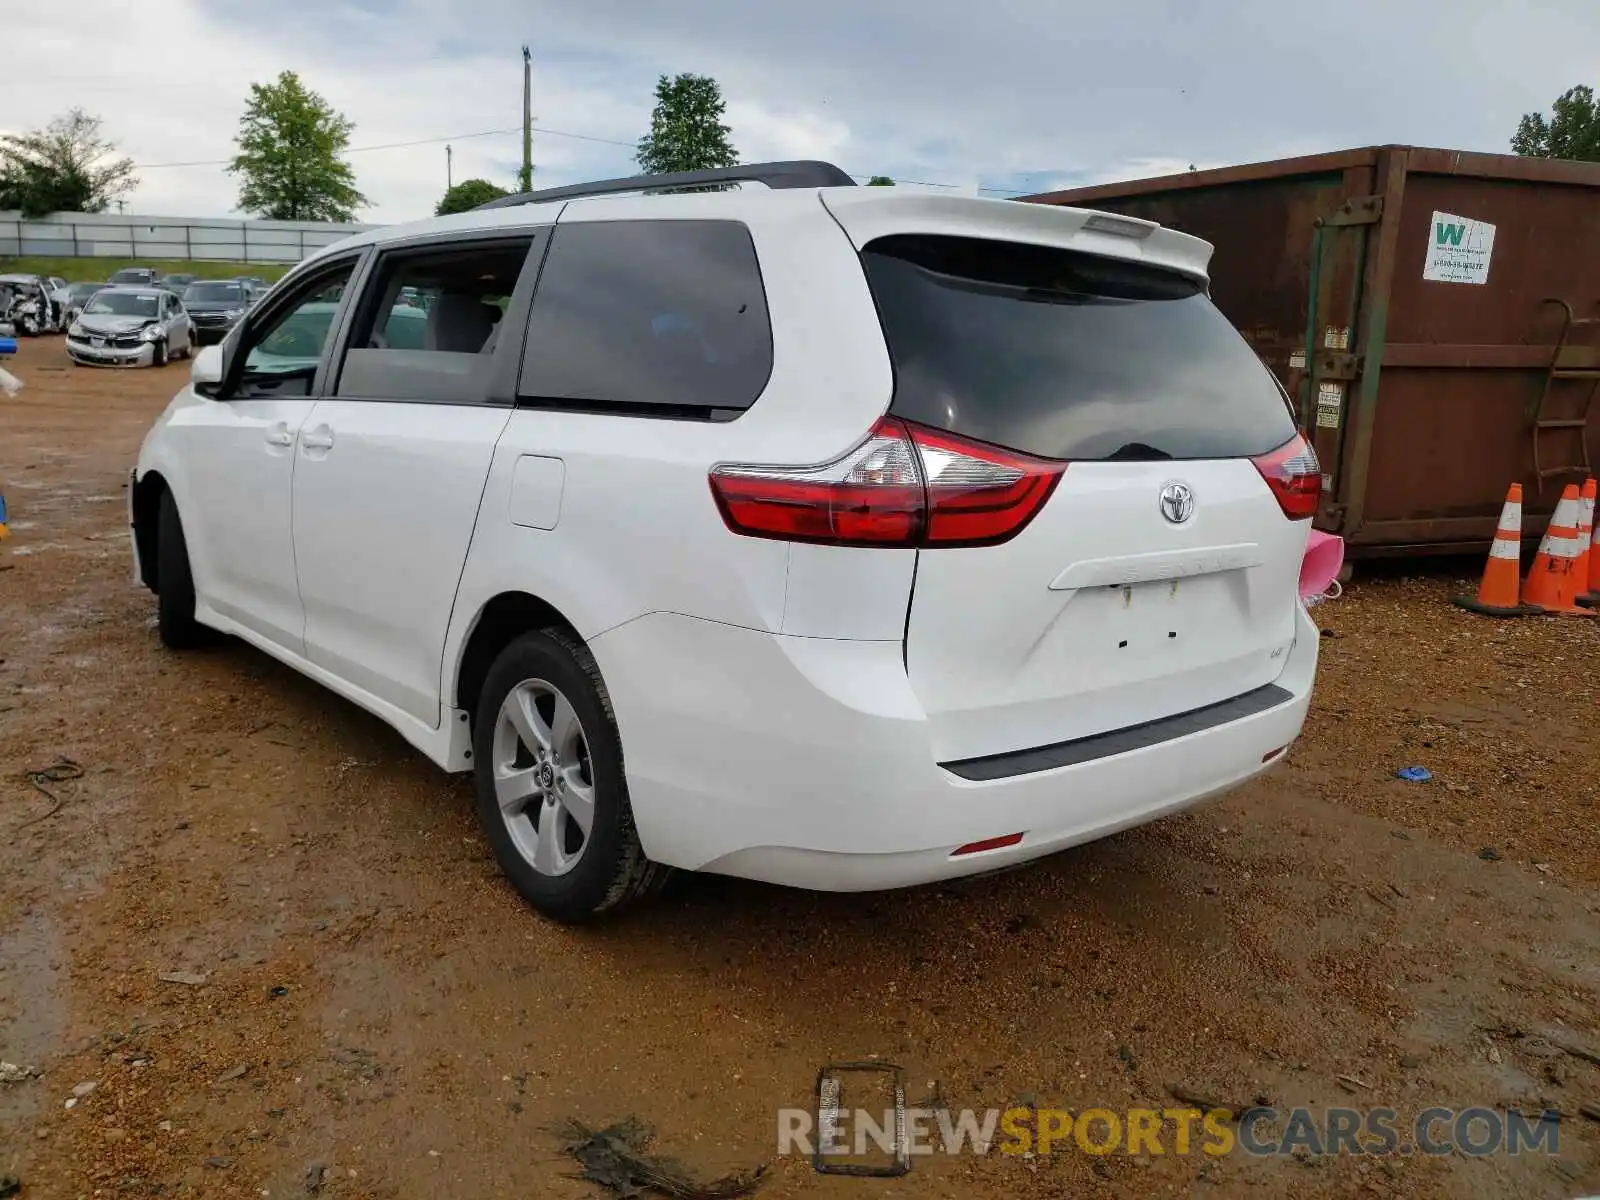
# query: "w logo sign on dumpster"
[[1459, 250]]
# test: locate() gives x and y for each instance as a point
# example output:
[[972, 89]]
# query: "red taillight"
[[979, 494], [903, 485], [1295, 477]]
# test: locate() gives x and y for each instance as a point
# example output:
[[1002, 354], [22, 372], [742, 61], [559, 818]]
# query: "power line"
[[219, 162], [459, 137], [562, 133], [925, 183]]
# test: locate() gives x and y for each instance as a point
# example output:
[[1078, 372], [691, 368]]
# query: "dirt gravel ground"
[[356, 1004]]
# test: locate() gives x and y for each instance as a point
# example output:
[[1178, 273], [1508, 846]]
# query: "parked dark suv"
[[214, 305]]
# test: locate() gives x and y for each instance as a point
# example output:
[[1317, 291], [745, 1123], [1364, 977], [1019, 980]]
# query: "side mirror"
[[206, 373]]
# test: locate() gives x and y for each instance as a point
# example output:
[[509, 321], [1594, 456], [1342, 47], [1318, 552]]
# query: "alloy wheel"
[[543, 777]]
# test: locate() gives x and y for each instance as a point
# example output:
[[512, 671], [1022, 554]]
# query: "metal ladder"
[[1569, 362]]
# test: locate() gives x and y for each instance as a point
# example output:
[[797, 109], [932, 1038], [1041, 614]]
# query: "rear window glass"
[[1067, 355], [667, 316]]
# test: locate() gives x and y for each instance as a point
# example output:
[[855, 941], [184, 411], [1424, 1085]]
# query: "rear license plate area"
[[861, 1120], [1147, 616]]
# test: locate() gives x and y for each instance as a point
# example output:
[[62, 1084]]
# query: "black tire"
[[158, 357], [175, 595], [612, 870]]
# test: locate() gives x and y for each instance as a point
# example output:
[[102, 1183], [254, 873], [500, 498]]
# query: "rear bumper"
[[808, 762]]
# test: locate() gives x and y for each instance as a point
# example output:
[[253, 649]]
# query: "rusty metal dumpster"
[[1435, 314]]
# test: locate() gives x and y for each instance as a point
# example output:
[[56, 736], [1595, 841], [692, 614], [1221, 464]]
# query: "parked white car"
[[842, 537], [130, 327]]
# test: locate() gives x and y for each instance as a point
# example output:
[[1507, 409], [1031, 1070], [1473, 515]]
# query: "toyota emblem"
[[1177, 502]]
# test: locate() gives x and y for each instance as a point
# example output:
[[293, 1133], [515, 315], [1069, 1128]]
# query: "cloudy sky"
[[999, 95]]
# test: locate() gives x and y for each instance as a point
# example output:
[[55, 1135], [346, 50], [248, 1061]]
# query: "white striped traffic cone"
[[1552, 585], [1497, 594]]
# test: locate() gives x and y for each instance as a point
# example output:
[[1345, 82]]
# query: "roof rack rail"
[[800, 173]]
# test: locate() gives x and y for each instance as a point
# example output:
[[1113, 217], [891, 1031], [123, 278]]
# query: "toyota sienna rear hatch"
[[1160, 576]]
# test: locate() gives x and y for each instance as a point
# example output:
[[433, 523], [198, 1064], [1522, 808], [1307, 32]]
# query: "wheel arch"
[[500, 621], [147, 493]]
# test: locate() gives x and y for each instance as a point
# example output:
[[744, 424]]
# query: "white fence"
[[119, 235]]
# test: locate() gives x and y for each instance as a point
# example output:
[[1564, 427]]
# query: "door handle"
[[320, 438], [279, 435]]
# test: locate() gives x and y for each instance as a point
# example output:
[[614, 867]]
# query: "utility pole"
[[449, 177], [527, 120]]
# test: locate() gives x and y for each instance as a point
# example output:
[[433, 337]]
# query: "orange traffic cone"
[[1585, 534], [1497, 594], [1552, 583], [1589, 590]]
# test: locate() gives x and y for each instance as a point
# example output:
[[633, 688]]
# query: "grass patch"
[[94, 270]]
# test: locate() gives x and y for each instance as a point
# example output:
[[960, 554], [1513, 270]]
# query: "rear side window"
[[430, 320], [1067, 355], [662, 317]]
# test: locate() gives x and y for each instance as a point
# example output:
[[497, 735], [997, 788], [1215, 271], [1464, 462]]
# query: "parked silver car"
[[131, 327]]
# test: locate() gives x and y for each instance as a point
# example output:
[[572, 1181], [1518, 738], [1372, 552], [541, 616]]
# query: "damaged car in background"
[[73, 297], [27, 305], [131, 327]]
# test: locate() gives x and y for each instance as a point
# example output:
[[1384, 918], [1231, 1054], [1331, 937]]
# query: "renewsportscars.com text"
[[1262, 1132]]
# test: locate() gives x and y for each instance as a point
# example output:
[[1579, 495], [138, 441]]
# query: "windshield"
[[211, 293], [132, 276], [1067, 355], [82, 291], [122, 304]]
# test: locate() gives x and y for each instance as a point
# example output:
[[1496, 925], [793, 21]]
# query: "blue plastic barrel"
[[8, 345]]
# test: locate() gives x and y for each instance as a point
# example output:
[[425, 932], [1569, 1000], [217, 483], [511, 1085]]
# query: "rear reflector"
[[903, 485], [1295, 477], [1011, 839]]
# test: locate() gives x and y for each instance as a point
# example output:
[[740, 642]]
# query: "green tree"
[[467, 195], [289, 166], [880, 181], [1573, 130], [68, 166], [686, 129]]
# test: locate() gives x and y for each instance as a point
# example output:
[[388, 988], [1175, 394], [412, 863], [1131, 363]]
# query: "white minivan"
[[842, 537]]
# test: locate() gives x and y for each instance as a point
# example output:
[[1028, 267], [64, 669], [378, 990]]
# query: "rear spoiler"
[[866, 214]]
